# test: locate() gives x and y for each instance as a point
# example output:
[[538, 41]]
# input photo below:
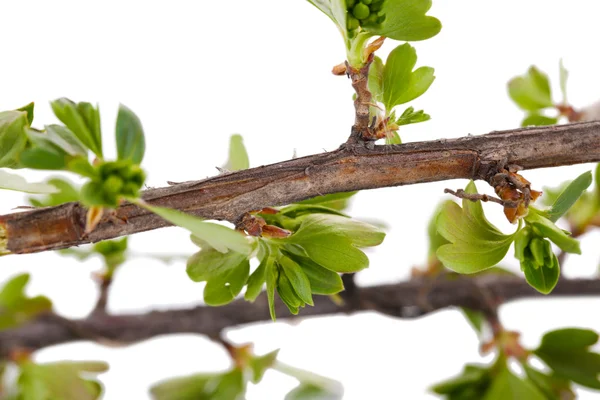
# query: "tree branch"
[[229, 196], [403, 300]]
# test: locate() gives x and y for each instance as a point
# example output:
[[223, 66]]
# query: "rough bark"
[[229, 196]]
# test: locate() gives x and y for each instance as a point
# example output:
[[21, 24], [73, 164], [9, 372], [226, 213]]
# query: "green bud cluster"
[[364, 12], [115, 179]]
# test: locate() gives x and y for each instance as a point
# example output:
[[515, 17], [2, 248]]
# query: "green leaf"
[[564, 76], [375, 79], [42, 158], [400, 83], [60, 380], [193, 387], [308, 391], [322, 280], [225, 287], [82, 167], [113, 252], [16, 307], [10, 181], [334, 252], [553, 387], [238, 156], [260, 364], [360, 233], [272, 276], [57, 137], [12, 136], [337, 201], [474, 378], [508, 386], [28, 108], [535, 119], [209, 263], [566, 351], [475, 244], [83, 120], [435, 239], [543, 278], [256, 281], [393, 138], [334, 9], [531, 91], [288, 295], [476, 319], [410, 116], [548, 229], [64, 192], [297, 278], [131, 143], [406, 20], [217, 236], [569, 196]]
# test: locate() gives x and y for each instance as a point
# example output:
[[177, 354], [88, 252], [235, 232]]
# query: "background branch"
[[229, 196], [410, 299]]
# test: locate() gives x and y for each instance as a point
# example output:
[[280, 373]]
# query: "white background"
[[197, 71]]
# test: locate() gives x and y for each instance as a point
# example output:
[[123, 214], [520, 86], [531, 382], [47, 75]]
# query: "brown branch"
[[402, 300], [361, 129], [229, 196]]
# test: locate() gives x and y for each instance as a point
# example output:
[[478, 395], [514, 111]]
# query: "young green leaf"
[[12, 136], [548, 229], [59, 138], [43, 158], [410, 116], [209, 263], [333, 251], [375, 80], [17, 308], [476, 319], [60, 380], [225, 287], [131, 143], [64, 192], [569, 196], [272, 276], [260, 364], [405, 20], [256, 281], [553, 387], [475, 244], [531, 91], [393, 138], [238, 156], [566, 351], [83, 120], [297, 278], [543, 277], [535, 119], [360, 233], [471, 384], [308, 391], [15, 182], [508, 386], [193, 387], [336, 201], [28, 108], [334, 9], [217, 236], [322, 280], [400, 83]]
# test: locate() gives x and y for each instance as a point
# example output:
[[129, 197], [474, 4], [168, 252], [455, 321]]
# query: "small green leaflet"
[[61, 380], [131, 143], [569, 196], [400, 83], [83, 120], [260, 364], [406, 20], [410, 116], [535, 119], [12, 136], [17, 308], [64, 193], [28, 108], [15, 182], [508, 386], [216, 236], [554, 387], [567, 352], [334, 9], [548, 229], [230, 385], [238, 156], [475, 244], [531, 91], [336, 201]]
